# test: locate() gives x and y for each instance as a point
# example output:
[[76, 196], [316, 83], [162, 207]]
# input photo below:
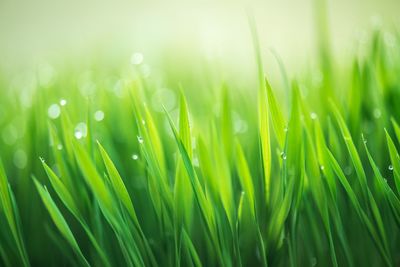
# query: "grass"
[[274, 177]]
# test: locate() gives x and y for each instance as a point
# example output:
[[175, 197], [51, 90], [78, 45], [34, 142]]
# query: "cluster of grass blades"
[[307, 182]]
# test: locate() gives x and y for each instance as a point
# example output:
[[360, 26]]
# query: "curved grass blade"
[[59, 221], [8, 207]]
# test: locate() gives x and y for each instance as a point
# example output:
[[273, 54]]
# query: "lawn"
[[116, 166]]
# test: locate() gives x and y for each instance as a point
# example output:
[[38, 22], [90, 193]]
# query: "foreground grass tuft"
[[133, 174]]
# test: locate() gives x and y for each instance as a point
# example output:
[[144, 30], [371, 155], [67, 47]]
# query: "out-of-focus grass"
[[111, 168]]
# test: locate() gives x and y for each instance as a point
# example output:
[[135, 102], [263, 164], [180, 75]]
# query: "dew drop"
[[78, 135], [322, 167], [313, 115], [283, 155], [80, 130], [285, 129], [99, 115], [20, 159], [240, 126], [140, 139], [377, 113], [390, 167], [63, 102], [135, 157], [59, 146], [54, 111], [348, 170]]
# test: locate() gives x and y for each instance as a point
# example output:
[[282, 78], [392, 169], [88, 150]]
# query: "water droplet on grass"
[[313, 115], [390, 167], [140, 139], [20, 159], [135, 157], [54, 111], [377, 113], [283, 155], [59, 146], [99, 115], [78, 135], [322, 167], [63, 102], [80, 130], [348, 170]]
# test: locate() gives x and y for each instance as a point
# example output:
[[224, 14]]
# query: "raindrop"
[[285, 129], [54, 111], [137, 58], [196, 162], [59, 146], [283, 155], [313, 115], [20, 159], [390, 168], [63, 102], [140, 139], [365, 141], [322, 167], [78, 135], [135, 157], [240, 126], [80, 130], [348, 170], [143, 122], [99, 115], [377, 113]]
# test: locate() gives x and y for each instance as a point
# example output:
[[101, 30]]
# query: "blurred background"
[[36, 31]]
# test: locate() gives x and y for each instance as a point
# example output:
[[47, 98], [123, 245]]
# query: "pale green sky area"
[[37, 30]]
